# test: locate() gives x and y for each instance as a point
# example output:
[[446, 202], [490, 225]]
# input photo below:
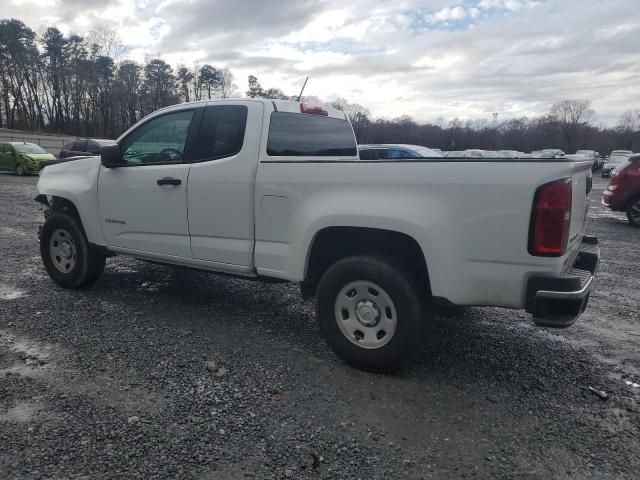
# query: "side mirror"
[[111, 157]]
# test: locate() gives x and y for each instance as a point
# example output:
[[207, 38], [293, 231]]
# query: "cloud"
[[425, 58], [447, 14]]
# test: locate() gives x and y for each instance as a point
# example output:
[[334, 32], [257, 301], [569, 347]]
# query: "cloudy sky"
[[424, 58]]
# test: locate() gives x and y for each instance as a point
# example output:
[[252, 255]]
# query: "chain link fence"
[[50, 142]]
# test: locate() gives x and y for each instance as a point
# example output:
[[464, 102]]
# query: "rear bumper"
[[557, 301]]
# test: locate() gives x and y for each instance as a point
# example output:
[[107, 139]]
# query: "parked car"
[[509, 154], [454, 154], [548, 153], [82, 147], [474, 153], [613, 162], [276, 189], [623, 192], [593, 156], [389, 151], [23, 158], [621, 152]]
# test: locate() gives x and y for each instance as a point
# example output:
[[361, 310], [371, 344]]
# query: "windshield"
[[29, 148]]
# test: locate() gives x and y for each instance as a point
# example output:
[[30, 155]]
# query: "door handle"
[[169, 181]]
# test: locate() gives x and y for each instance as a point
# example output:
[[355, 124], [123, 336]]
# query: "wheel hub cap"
[[367, 313], [62, 250], [65, 249]]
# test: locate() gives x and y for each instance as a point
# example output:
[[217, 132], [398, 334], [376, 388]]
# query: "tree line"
[[78, 86], [81, 86]]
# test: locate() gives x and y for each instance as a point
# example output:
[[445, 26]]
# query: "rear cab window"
[[309, 135]]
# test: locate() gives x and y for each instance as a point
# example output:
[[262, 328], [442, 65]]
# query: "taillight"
[[313, 110], [551, 219]]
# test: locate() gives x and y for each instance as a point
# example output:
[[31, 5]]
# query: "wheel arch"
[[67, 205], [332, 243]]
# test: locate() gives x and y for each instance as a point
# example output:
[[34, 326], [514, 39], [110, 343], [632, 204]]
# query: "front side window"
[[303, 135], [160, 140], [221, 132]]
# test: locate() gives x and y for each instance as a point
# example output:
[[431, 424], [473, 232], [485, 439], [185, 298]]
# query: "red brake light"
[[551, 219], [313, 110]]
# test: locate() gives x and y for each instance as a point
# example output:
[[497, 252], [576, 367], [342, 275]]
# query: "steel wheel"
[[366, 314], [63, 250]]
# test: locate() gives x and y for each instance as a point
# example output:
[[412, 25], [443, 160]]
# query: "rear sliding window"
[[303, 135]]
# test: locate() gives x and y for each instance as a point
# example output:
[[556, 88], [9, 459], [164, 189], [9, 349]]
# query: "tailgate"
[[581, 183]]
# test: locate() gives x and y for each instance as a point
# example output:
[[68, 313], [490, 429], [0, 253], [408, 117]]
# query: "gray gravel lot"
[[229, 379]]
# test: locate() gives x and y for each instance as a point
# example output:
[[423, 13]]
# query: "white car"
[[490, 154], [474, 153], [613, 162], [276, 189], [454, 154], [509, 154], [548, 153], [397, 151]]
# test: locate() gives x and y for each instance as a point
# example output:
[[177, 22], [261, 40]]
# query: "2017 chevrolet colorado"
[[263, 188]]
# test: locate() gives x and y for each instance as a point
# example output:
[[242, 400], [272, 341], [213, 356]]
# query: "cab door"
[[143, 204], [221, 183]]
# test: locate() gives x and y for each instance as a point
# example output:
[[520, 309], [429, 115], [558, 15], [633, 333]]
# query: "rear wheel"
[[67, 255], [369, 312], [633, 212]]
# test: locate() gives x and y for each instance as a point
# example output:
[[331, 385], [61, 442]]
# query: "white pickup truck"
[[276, 189]]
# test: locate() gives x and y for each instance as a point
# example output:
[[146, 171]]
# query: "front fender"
[[76, 182]]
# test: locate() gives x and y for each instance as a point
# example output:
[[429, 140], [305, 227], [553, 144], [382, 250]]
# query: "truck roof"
[[289, 106]]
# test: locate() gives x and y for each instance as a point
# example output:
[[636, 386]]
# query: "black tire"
[[88, 264], [398, 286], [632, 211]]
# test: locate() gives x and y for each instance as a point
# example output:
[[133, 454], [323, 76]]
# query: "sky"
[[423, 58]]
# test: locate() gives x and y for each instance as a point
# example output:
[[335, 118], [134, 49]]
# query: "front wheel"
[[369, 312], [19, 170], [633, 212], [67, 255]]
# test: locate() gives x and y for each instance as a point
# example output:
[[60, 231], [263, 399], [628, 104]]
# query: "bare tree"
[[572, 116], [228, 88], [108, 42]]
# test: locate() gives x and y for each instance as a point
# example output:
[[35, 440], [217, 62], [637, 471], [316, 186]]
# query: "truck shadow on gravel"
[[497, 350]]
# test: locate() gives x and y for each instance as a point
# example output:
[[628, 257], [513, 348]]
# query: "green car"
[[22, 157]]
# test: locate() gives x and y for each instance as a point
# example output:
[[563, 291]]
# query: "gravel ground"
[[165, 373]]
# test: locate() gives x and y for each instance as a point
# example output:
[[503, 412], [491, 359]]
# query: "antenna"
[[305, 84]]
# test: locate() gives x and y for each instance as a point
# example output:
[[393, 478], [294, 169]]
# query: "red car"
[[623, 192]]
